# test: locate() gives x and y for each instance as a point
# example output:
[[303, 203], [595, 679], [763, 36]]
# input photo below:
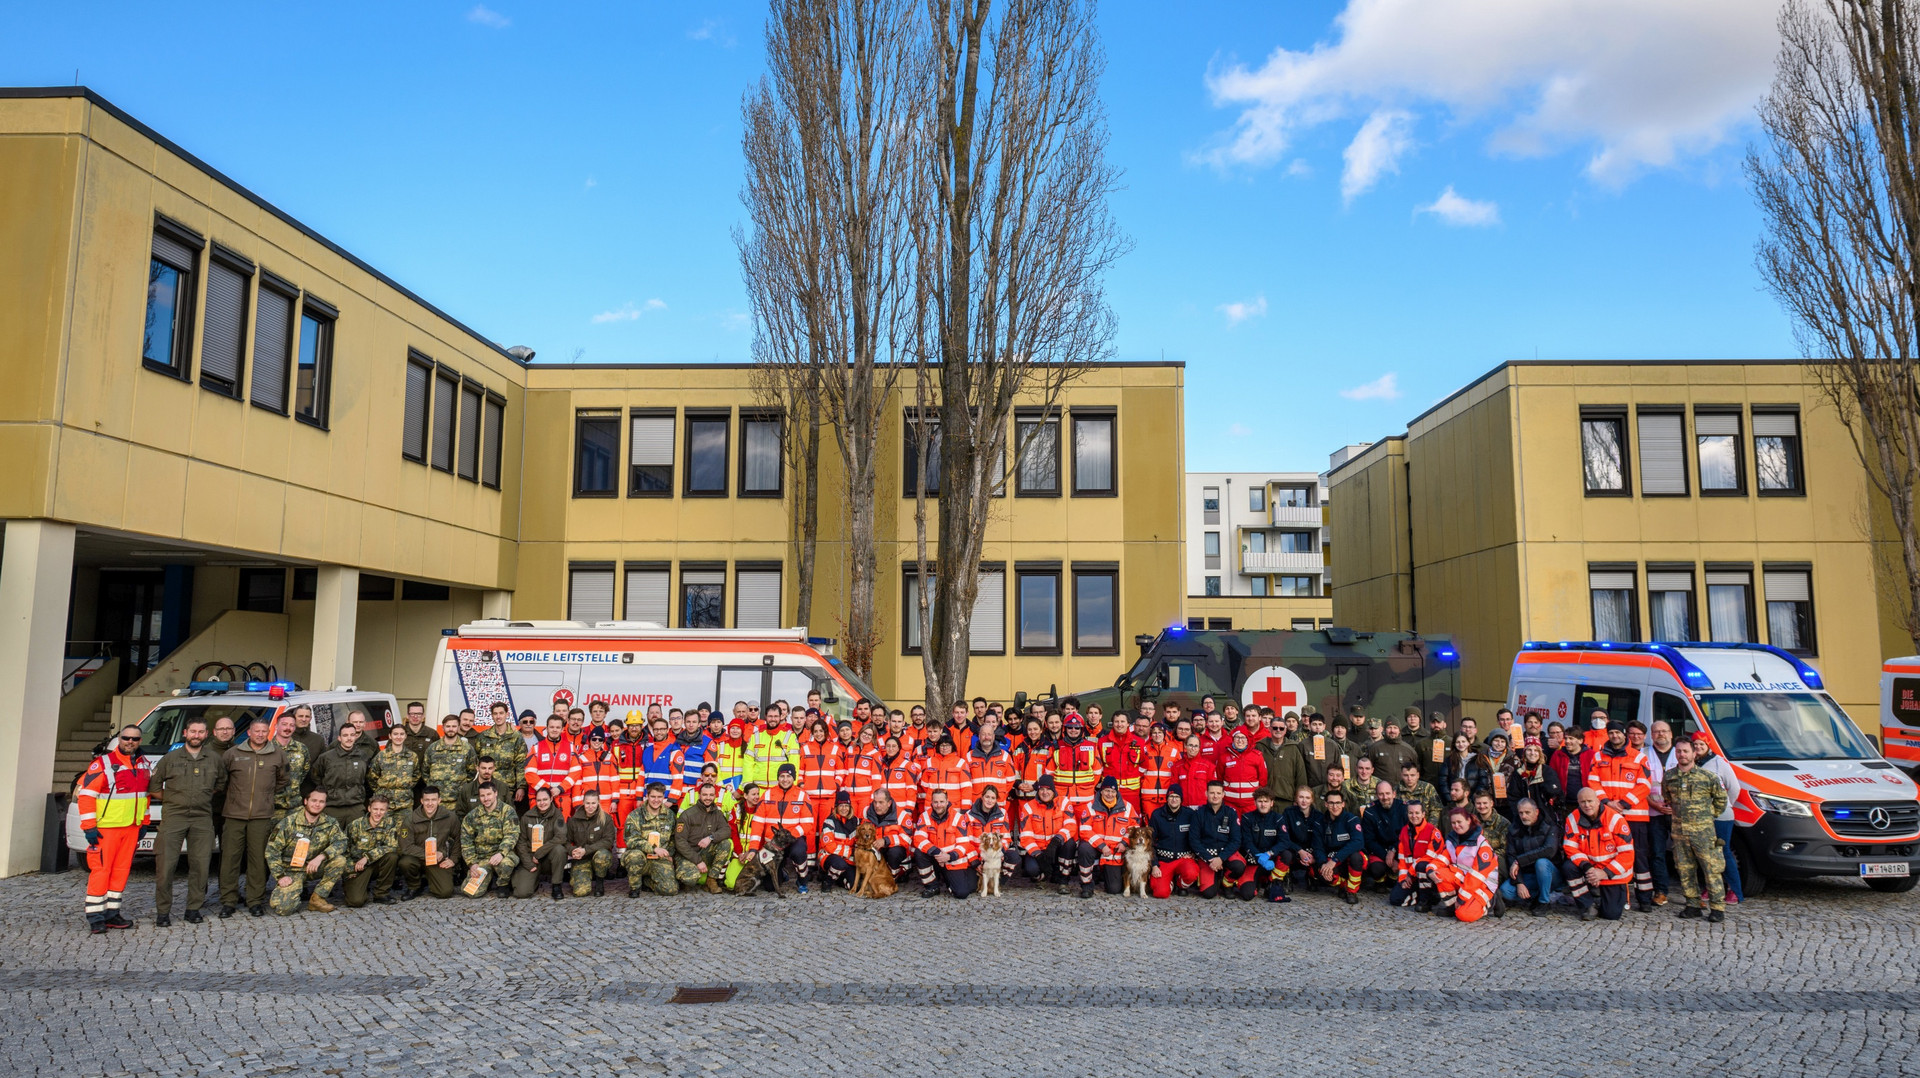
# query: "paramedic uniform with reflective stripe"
[[113, 801], [1604, 843]]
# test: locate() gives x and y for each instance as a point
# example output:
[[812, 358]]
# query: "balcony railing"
[[1295, 515], [1276, 562]]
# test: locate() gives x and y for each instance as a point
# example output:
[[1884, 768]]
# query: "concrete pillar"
[[496, 604], [36, 576], [336, 611]]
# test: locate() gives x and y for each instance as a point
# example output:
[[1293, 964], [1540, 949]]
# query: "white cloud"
[[1238, 430], [592, 183], [1384, 388], [486, 16], [1241, 311], [1299, 167], [1638, 83], [1375, 151], [714, 30], [627, 312], [1461, 212]]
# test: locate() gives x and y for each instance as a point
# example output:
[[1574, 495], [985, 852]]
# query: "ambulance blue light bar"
[[1690, 675]]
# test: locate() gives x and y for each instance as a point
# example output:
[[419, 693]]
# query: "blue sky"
[[1342, 211]]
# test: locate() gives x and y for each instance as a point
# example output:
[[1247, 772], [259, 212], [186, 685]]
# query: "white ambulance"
[[533, 665], [1819, 800], [1900, 712]]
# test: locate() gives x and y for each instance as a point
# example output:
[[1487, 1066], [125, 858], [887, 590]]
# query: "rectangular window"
[[1259, 584], [493, 418], [1256, 499], [376, 589], [1296, 542], [1211, 586], [1210, 504], [167, 342], [1730, 604], [756, 595], [912, 433], [987, 631], [1038, 442], [1096, 609], [703, 596], [650, 593], [596, 446], [1603, 452], [1256, 542], [762, 464], [305, 583], [1663, 458], [413, 430], [1716, 440], [446, 387], [1038, 608], [1294, 497], [1093, 455], [417, 591], [910, 608], [1776, 452], [272, 343], [263, 590], [469, 462], [313, 378], [1220, 625], [1670, 603], [1302, 625], [590, 591], [1210, 547], [707, 454], [1295, 587], [1611, 591], [650, 454], [1790, 609], [223, 346]]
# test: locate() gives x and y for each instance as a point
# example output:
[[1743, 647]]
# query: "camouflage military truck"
[[1328, 670]]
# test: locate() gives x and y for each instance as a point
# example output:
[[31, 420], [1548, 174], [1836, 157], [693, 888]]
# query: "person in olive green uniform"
[[183, 787], [256, 771], [420, 736], [1495, 827], [307, 845], [1414, 788], [395, 770], [484, 775], [299, 764], [702, 842], [649, 834], [373, 850], [423, 867], [449, 764], [342, 772], [488, 835], [1286, 765], [503, 742], [589, 846], [541, 849], [1390, 753], [1696, 799]]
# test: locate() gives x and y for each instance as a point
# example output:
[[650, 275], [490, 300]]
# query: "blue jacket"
[[1339, 836], [1302, 830], [1172, 838], [1380, 828], [1216, 832], [1260, 832]]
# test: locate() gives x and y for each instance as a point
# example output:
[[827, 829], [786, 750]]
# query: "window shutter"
[[444, 388], [415, 432], [759, 598], [590, 595], [1666, 582], [495, 416], [174, 253], [1610, 581], [469, 431], [1788, 587], [1663, 465], [1776, 425], [988, 630], [704, 576], [1734, 579], [222, 348], [274, 314], [649, 596], [1713, 423], [652, 439]]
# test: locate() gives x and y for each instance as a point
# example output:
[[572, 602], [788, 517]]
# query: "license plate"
[[1884, 868], [146, 846]]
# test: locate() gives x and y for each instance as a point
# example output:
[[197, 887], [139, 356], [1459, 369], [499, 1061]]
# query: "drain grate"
[[684, 994]]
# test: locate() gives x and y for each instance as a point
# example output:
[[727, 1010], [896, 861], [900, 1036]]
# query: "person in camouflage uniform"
[[589, 846], [373, 849], [450, 764], [1413, 788], [395, 770], [649, 834], [325, 856], [299, 761], [702, 841], [487, 838], [1697, 799], [1495, 827], [503, 742]]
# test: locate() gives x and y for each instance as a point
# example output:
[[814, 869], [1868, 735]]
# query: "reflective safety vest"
[[113, 792]]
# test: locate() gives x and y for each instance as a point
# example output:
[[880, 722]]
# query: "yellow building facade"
[[228, 439], [1717, 501]]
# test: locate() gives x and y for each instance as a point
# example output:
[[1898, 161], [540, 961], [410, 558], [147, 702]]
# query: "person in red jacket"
[[945, 850], [1420, 843], [550, 763], [1103, 839], [785, 806], [1192, 771], [1120, 752], [1243, 770], [1049, 837], [112, 798], [1599, 854], [1076, 763], [836, 843]]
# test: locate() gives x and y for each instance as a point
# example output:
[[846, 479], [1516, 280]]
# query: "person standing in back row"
[[112, 799], [185, 783], [1696, 798], [256, 771]]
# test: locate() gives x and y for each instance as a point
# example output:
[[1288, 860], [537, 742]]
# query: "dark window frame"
[[1071, 432], [1678, 411], [779, 420], [1054, 569], [910, 423], [421, 591], [1040, 417], [186, 324], [444, 373], [478, 433], [327, 317], [909, 603], [491, 457], [1693, 592], [243, 601], [1739, 488], [759, 566], [286, 290], [1614, 414], [1798, 451], [376, 588], [681, 586], [1754, 583], [576, 567], [235, 262], [1110, 570], [420, 361], [688, 419], [582, 417], [1633, 595], [672, 465], [625, 585], [1813, 612]]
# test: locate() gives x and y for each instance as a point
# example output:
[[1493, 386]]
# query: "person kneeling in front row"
[[306, 845]]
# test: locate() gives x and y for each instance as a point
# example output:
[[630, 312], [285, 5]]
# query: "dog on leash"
[[765, 865], [872, 876], [1139, 860], [992, 857]]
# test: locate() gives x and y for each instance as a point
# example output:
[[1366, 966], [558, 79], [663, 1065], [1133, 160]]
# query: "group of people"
[[1254, 804]]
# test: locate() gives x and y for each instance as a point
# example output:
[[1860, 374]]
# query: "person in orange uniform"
[[1599, 854], [820, 759], [989, 765], [945, 849], [900, 777], [1076, 764], [892, 831], [1157, 758], [1120, 750], [112, 798], [945, 771], [1103, 838], [836, 843], [550, 762], [598, 771], [1466, 876], [786, 806], [1049, 838], [1621, 776]]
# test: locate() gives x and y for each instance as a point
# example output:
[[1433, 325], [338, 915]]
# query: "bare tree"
[[1839, 185], [1013, 241], [830, 147]]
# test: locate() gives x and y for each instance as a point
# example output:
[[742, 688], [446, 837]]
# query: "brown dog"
[[764, 866], [992, 858], [871, 876], [1138, 860]]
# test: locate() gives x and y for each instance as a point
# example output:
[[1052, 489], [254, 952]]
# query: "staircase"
[[73, 755]]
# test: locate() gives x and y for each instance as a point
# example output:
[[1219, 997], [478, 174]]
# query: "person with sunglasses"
[[113, 808]]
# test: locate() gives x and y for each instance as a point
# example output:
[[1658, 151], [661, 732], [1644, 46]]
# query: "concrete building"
[[231, 440], [1257, 550], [1716, 501]]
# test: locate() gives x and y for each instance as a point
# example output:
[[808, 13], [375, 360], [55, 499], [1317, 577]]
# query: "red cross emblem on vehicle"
[[1276, 687]]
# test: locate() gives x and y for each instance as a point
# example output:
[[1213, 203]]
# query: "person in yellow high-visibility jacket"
[[772, 745]]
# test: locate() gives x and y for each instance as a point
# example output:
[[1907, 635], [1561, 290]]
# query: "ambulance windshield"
[[1783, 726]]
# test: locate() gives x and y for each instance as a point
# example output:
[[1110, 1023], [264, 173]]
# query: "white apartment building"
[[1257, 534]]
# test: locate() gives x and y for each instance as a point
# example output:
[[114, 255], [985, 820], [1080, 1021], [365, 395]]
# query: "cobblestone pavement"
[[1815, 978]]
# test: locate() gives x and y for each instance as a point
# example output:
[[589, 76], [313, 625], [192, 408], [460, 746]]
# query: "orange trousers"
[[107, 867], [1470, 894]]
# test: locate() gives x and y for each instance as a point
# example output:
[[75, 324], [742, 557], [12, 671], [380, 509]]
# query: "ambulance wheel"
[[1893, 885], [1753, 882]]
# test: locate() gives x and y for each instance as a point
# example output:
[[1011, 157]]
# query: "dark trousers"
[[244, 843], [526, 875], [345, 814], [836, 869], [1211, 883], [961, 882], [1661, 834], [373, 881], [1610, 898], [438, 881], [795, 863], [1053, 863], [196, 830], [896, 857], [1112, 877], [1642, 833]]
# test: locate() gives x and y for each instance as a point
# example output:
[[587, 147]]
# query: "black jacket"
[[1172, 832], [1215, 833], [1527, 844], [1301, 831], [1261, 832], [1340, 836], [1380, 828]]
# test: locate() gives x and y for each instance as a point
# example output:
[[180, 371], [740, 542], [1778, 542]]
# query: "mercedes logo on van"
[[1880, 818]]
